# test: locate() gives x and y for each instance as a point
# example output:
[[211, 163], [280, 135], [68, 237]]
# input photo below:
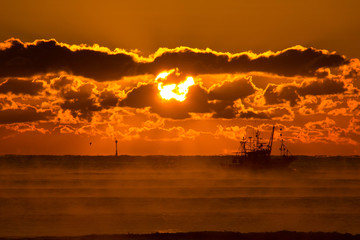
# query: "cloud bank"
[[55, 89], [26, 59]]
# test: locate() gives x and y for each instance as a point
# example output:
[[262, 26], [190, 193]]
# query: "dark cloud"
[[223, 109], [294, 61], [60, 82], [22, 115], [45, 56], [198, 100], [142, 96], [219, 100], [290, 62], [225, 93], [281, 113], [232, 90], [321, 87], [276, 94], [271, 113], [48, 56], [108, 99], [81, 103], [253, 114], [148, 96], [17, 86]]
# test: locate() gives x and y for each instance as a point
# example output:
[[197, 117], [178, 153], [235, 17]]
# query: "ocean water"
[[74, 195]]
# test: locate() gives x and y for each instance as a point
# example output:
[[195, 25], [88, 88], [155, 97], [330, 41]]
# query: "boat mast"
[[257, 138], [116, 151], [271, 139]]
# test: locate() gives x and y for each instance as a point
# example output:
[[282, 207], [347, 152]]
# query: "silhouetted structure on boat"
[[257, 155], [116, 151]]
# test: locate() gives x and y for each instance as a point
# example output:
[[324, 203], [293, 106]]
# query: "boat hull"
[[270, 162]]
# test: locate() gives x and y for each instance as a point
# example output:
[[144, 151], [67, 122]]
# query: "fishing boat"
[[254, 154]]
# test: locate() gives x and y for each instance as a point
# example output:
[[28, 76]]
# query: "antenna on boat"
[[116, 152], [283, 150], [250, 143], [271, 139]]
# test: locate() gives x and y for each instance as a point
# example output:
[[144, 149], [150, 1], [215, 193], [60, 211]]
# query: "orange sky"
[[254, 65]]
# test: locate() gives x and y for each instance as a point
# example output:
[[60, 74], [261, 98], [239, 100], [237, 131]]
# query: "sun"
[[174, 91]]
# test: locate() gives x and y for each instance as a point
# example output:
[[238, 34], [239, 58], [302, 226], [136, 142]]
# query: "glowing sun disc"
[[174, 91]]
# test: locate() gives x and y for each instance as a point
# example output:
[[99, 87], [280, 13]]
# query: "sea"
[[84, 195]]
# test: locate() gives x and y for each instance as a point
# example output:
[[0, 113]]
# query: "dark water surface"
[[72, 195]]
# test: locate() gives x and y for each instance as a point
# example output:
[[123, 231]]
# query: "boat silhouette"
[[257, 155]]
